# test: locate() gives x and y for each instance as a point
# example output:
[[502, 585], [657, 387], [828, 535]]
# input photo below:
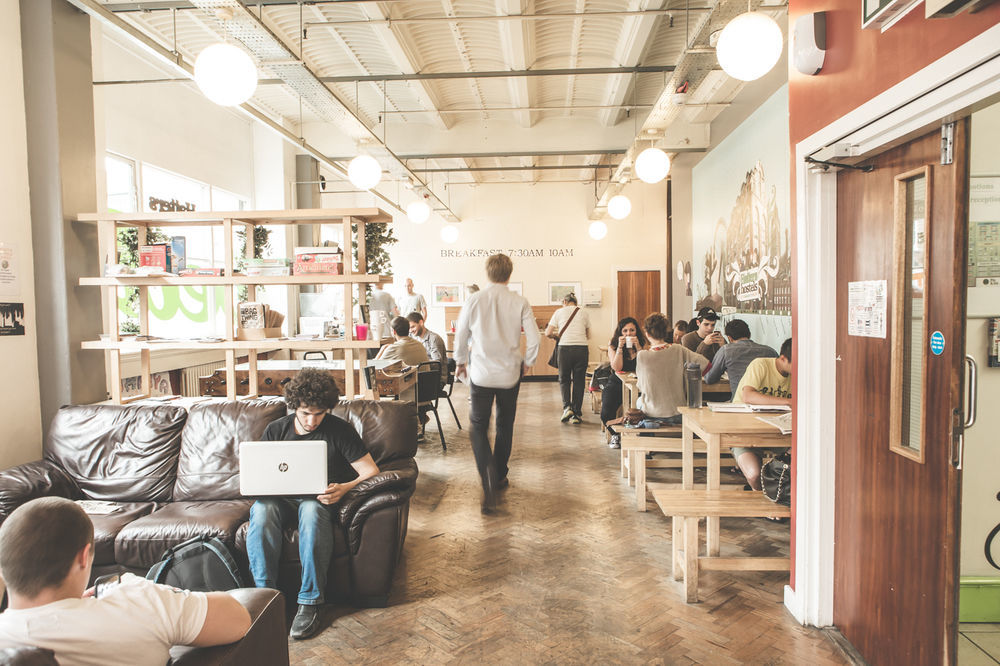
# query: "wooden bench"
[[685, 507], [637, 442]]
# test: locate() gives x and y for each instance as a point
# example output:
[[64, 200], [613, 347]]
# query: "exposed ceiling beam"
[[632, 45], [166, 5], [478, 156], [517, 109], [535, 167], [512, 16]]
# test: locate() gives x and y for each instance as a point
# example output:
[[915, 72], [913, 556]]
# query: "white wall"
[[980, 508], [716, 184], [531, 217], [19, 409]]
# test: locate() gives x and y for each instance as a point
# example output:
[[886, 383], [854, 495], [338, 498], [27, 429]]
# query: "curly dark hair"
[[638, 332], [658, 327], [312, 387]]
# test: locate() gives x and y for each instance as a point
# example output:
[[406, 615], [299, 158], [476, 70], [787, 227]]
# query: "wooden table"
[[273, 375], [718, 430]]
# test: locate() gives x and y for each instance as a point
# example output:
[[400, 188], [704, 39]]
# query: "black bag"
[[203, 564], [602, 375], [554, 359], [776, 479]]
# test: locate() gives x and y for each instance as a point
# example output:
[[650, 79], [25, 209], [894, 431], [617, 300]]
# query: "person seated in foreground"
[[734, 357], [626, 343], [704, 339], [767, 381], [432, 342], [404, 348], [660, 373], [310, 396], [46, 554]]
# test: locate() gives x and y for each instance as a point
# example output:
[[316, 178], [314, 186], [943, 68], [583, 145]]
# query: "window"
[[123, 193]]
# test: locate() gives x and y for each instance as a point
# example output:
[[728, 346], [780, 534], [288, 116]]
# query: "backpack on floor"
[[203, 564]]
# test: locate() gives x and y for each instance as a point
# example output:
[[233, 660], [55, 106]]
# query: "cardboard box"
[[319, 267], [157, 255], [257, 333]]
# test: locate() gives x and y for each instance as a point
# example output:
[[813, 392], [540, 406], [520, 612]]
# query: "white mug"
[[629, 341]]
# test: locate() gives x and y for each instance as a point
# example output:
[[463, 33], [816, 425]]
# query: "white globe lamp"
[[619, 207], [364, 172], [598, 230], [749, 46], [652, 165], [449, 233], [418, 211], [225, 74]]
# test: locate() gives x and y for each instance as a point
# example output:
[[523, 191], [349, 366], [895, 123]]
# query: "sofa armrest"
[[41, 478], [399, 477], [372, 504], [266, 643]]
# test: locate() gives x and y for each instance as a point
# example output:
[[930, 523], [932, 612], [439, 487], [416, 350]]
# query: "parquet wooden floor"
[[568, 571]]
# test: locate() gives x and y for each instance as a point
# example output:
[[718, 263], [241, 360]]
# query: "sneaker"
[[567, 414], [575, 420], [616, 441], [305, 624]]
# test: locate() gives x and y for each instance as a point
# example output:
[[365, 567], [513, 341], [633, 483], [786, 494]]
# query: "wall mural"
[[747, 265]]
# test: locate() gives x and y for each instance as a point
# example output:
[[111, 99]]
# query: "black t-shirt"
[[343, 444]]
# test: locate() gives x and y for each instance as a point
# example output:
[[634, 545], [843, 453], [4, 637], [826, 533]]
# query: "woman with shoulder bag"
[[626, 343], [571, 327]]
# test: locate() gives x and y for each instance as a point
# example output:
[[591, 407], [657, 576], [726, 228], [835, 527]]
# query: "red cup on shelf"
[[361, 331]]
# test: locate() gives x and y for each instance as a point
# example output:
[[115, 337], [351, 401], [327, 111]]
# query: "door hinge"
[[947, 143]]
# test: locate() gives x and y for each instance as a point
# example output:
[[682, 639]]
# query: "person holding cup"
[[626, 343]]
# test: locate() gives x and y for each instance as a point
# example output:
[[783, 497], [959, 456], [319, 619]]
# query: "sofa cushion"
[[387, 427], [142, 542], [209, 466], [123, 453], [108, 525]]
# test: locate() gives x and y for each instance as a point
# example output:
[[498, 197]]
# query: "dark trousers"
[[611, 399], [492, 463], [573, 375]]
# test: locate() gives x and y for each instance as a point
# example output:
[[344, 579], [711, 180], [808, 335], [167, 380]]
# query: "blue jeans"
[[268, 518]]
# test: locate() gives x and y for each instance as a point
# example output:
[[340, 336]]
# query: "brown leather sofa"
[[174, 474]]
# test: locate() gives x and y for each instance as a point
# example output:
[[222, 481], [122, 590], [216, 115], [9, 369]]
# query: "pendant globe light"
[[449, 233], [619, 207], [364, 172], [598, 230], [749, 46], [225, 74], [652, 165], [418, 211]]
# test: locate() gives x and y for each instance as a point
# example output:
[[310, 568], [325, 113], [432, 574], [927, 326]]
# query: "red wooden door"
[[638, 294], [897, 513]]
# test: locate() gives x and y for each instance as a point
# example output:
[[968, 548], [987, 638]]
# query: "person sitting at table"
[[404, 348], [734, 357], [680, 330], [432, 342], [704, 339], [626, 343], [659, 373], [767, 381]]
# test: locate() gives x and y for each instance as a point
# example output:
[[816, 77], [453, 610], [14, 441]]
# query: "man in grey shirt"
[[381, 300], [433, 343], [736, 356]]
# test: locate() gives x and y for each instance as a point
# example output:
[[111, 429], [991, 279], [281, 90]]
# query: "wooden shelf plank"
[[259, 345], [210, 280], [199, 218]]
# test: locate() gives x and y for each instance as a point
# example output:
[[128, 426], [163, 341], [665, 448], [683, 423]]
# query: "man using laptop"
[[311, 394]]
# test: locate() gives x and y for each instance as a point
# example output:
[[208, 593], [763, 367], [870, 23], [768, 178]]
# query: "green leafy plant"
[[128, 254], [378, 238], [262, 243]]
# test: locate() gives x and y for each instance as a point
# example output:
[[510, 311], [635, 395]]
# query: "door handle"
[[972, 395]]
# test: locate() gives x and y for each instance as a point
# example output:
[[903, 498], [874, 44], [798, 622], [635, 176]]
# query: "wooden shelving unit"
[[113, 346]]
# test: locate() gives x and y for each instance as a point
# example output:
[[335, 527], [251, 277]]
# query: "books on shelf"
[[782, 422], [744, 408]]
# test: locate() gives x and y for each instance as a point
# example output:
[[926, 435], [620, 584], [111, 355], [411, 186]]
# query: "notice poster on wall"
[[984, 231], [11, 319], [866, 308], [9, 287]]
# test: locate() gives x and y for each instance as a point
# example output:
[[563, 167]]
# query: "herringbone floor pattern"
[[568, 572]]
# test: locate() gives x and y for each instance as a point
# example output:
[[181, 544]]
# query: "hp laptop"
[[283, 468]]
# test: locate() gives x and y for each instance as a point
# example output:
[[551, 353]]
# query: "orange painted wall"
[[860, 64]]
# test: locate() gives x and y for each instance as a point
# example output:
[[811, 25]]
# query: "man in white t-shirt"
[[570, 326], [411, 301], [46, 553], [382, 301]]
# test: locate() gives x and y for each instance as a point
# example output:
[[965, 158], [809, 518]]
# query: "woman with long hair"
[[626, 343]]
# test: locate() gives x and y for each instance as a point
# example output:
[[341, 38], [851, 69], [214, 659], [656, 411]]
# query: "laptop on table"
[[283, 468]]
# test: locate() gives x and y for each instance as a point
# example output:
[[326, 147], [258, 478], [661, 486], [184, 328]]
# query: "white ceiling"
[[571, 112]]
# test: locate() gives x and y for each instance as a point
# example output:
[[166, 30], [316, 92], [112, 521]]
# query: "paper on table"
[[742, 407], [782, 423]]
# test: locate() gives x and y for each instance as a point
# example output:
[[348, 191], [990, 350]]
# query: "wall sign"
[[172, 206], [866, 308], [513, 253], [937, 343], [11, 319]]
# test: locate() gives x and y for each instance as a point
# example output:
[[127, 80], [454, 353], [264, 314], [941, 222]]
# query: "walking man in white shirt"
[[411, 301], [493, 318], [46, 554]]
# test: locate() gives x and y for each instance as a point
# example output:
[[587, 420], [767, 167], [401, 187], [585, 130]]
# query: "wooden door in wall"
[[638, 294], [899, 398]]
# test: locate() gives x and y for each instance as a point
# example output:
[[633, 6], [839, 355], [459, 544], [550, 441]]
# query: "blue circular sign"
[[937, 343]]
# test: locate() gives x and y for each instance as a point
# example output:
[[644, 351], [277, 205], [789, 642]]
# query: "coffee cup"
[[629, 341]]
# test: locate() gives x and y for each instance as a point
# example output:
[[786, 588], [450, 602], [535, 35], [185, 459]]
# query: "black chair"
[[450, 385], [428, 392]]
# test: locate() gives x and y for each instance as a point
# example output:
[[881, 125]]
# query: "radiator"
[[189, 377]]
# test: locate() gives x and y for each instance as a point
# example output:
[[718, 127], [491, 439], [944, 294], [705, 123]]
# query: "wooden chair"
[[429, 392]]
